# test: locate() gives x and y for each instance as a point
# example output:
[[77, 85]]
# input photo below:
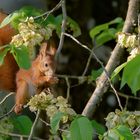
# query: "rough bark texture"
[[102, 85]]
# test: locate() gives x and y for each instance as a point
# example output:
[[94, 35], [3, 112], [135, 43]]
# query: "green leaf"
[[6, 21], [96, 30], [30, 11], [120, 132], [100, 129], [118, 69], [3, 54], [112, 135], [72, 26], [105, 36], [23, 13], [66, 135], [131, 74], [96, 73], [124, 133], [21, 55], [54, 123], [23, 124], [116, 20], [81, 129], [50, 20]]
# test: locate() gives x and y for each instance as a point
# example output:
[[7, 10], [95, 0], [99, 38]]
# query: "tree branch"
[[63, 27], [46, 14], [33, 126], [13, 135], [102, 85]]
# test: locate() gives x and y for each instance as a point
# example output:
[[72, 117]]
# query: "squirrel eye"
[[46, 65]]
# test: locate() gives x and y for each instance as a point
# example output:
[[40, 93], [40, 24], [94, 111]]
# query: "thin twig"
[[8, 113], [79, 78], [33, 126], [68, 87], [3, 47], [49, 12], [87, 64], [100, 62], [128, 96], [126, 103], [72, 77], [18, 135], [63, 27], [47, 124], [136, 130], [3, 100]]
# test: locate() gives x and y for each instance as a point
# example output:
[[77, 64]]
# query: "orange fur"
[[10, 67], [6, 32]]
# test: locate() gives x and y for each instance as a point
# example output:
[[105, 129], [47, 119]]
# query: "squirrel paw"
[[18, 108]]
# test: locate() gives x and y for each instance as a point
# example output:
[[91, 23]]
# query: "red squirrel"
[[26, 82], [41, 74]]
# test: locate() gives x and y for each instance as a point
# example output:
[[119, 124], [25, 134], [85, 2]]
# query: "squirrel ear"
[[43, 49], [52, 49], [47, 48]]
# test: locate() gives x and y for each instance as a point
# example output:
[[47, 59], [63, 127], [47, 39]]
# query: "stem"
[[49, 12], [33, 126], [63, 27]]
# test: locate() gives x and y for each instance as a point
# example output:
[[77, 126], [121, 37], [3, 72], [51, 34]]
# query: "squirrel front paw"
[[52, 80], [18, 108]]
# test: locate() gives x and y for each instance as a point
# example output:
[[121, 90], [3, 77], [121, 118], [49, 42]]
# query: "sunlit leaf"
[[54, 123], [30, 11], [105, 36], [23, 13], [118, 69], [21, 55], [3, 54], [131, 74], [120, 132], [96, 30], [124, 133], [66, 135], [116, 20], [104, 27], [6, 21]]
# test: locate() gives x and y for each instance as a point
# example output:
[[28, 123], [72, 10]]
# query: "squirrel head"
[[46, 58]]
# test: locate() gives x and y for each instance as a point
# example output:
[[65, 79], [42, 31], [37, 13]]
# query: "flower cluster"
[[51, 105], [130, 42], [31, 34], [129, 119], [127, 40], [6, 126]]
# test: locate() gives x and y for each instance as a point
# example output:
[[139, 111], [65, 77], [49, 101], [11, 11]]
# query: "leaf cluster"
[[27, 38]]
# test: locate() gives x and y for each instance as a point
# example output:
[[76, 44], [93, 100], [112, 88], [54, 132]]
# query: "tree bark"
[[102, 85]]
